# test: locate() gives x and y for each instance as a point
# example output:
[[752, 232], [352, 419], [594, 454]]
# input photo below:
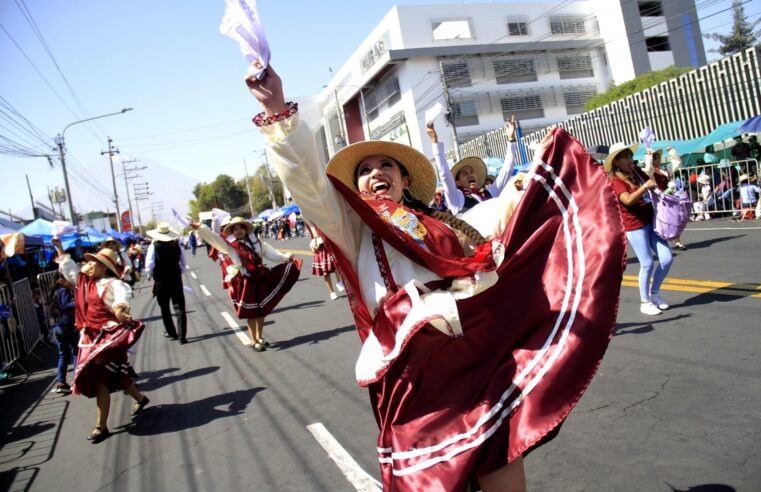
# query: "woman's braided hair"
[[468, 230]]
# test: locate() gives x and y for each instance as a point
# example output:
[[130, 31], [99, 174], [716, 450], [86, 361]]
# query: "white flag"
[[241, 23], [183, 222], [432, 112]]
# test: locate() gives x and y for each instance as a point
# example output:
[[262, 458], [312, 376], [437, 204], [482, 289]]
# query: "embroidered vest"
[[90, 311]]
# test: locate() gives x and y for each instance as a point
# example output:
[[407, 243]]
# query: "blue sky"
[[168, 61]]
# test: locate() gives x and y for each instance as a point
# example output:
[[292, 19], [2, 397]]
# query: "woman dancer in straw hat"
[[254, 288], [107, 331], [458, 392]]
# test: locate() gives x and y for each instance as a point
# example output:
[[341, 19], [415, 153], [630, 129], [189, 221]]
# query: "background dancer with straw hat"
[[254, 288], [107, 331]]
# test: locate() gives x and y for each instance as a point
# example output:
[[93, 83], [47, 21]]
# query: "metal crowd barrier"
[[11, 344], [723, 179], [46, 282], [29, 326]]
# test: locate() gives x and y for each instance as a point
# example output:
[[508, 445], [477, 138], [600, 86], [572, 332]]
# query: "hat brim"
[[422, 175], [478, 166], [608, 164], [226, 230], [103, 261], [163, 236]]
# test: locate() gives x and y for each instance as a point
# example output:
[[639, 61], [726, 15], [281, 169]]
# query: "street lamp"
[[60, 142], [361, 100]]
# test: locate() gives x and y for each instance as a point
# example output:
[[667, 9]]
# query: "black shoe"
[[258, 346], [98, 434], [138, 406], [183, 341]]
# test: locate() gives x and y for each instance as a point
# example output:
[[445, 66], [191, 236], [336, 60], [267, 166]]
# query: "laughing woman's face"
[[381, 175]]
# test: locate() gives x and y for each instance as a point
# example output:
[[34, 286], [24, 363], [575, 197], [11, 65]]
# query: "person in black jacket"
[[165, 263]]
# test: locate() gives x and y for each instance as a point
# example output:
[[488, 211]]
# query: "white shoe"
[[649, 308], [658, 301], [333, 296], [340, 286]]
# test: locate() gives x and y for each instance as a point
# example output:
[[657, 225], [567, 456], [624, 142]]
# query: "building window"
[[650, 9], [517, 26], [456, 74], [385, 94], [567, 24], [321, 140], [451, 29], [524, 107], [576, 98], [514, 71], [465, 113], [575, 66], [658, 43]]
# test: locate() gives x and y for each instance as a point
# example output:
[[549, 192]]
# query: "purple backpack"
[[671, 213]]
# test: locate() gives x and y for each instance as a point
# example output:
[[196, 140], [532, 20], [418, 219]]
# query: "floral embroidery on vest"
[[406, 222]]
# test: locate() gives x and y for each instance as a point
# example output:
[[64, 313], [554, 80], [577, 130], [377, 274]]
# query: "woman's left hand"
[[268, 91]]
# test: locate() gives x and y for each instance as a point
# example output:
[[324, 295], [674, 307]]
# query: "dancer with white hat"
[[165, 263]]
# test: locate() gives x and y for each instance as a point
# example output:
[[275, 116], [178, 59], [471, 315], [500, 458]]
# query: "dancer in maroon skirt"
[[474, 349], [323, 263], [254, 288], [107, 331]]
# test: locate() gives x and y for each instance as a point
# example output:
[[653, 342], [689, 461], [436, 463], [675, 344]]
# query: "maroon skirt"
[[323, 262], [105, 360], [257, 294]]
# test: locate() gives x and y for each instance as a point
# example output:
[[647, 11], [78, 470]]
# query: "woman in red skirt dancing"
[[323, 263], [254, 288], [474, 349], [107, 332]]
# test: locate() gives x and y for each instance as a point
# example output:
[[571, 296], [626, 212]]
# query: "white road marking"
[[723, 229], [240, 332], [193, 274], [205, 290], [358, 477]]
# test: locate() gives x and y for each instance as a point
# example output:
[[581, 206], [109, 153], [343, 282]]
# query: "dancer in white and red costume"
[[472, 353]]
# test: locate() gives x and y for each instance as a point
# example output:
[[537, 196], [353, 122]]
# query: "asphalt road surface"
[[675, 405]]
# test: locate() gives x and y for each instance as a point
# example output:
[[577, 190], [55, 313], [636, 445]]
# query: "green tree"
[[224, 192], [742, 35], [260, 189], [635, 85]]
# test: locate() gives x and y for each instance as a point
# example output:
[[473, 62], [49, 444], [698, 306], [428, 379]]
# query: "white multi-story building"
[[484, 62]]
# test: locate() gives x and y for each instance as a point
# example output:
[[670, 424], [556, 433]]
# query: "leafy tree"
[[635, 85], [741, 37], [224, 192]]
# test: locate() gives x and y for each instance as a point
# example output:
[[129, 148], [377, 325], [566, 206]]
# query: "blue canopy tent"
[[727, 131], [682, 147], [751, 125], [290, 209], [264, 214], [116, 235], [92, 237], [38, 228]]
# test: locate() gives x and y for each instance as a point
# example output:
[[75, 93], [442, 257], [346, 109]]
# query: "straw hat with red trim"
[[423, 177], [108, 258]]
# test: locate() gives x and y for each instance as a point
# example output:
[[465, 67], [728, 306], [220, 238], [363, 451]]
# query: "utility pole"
[[141, 194], [248, 190], [450, 120], [72, 217], [127, 177], [111, 151], [269, 179], [31, 197]]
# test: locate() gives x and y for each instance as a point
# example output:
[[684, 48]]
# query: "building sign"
[[376, 51]]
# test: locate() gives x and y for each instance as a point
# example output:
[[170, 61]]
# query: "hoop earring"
[[407, 195]]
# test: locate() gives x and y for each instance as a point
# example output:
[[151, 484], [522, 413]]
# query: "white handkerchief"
[[182, 221], [241, 23], [432, 112], [62, 228]]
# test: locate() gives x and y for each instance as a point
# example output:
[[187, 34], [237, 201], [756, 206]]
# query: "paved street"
[[676, 404]]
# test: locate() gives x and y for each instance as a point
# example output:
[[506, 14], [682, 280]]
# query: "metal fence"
[[718, 194], [11, 344], [25, 309], [46, 282]]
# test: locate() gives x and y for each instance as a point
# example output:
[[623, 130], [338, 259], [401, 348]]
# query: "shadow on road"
[[151, 381], [158, 317], [709, 487], [313, 338], [710, 242], [298, 306], [645, 326], [175, 417]]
